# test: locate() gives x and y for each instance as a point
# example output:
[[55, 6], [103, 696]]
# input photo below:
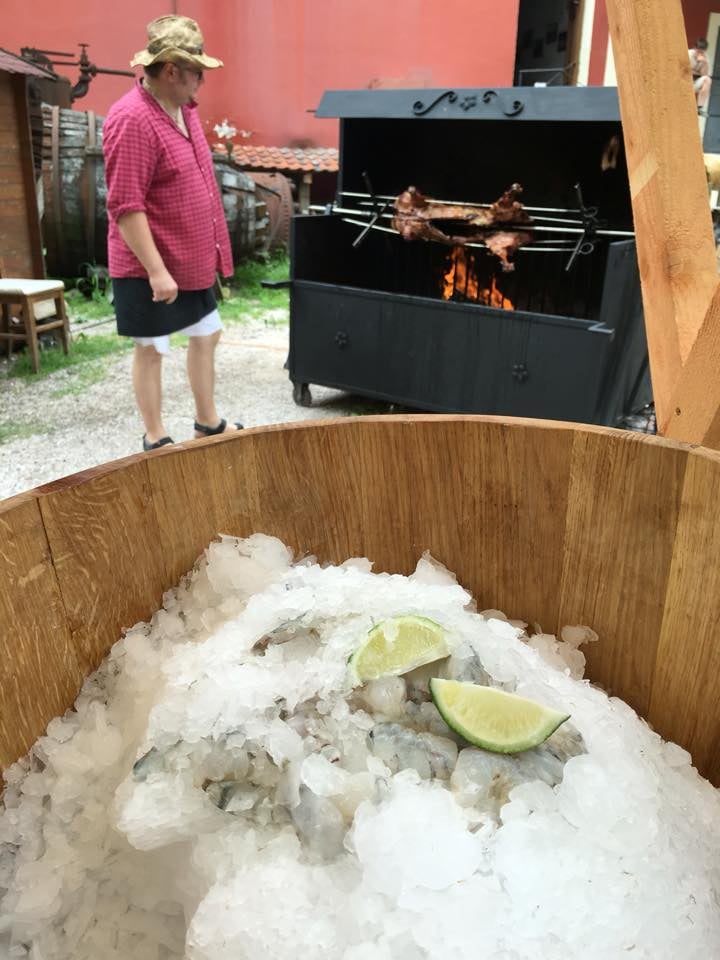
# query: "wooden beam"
[[673, 226], [694, 414]]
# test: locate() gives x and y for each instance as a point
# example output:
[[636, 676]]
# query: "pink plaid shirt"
[[151, 166]]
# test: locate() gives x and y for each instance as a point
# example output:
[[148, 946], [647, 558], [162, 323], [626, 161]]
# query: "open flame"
[[460, 276], [460, 279], [496, 298]]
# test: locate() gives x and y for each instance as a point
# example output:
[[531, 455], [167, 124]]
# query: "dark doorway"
[[547, 42]]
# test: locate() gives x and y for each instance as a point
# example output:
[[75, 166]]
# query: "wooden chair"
[[42, 310]]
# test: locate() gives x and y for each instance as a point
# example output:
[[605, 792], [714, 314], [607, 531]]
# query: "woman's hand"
[[164, 288], [135, 231]]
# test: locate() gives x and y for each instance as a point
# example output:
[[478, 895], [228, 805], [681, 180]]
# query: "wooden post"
[[304, 199], [673, 226], [576, 13]]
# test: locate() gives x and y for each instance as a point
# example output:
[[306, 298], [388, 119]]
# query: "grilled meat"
[[504, 243], [418, 218]]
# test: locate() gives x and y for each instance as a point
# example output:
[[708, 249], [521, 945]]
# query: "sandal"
[[214, 431], [162, 442]]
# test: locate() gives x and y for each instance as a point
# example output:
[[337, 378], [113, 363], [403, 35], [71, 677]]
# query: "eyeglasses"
[[196, 73]]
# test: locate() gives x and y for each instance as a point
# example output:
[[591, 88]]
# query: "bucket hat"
[[177, 40]]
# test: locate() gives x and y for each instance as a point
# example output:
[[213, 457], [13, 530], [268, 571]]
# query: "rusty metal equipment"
[[275, 190], [88, 70]]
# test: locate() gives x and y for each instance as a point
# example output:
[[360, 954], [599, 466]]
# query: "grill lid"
[[551, 104]]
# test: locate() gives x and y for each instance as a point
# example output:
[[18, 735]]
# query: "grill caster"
[[302, 395]]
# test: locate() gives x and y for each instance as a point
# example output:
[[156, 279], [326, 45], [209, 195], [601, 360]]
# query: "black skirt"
[[139, 316]]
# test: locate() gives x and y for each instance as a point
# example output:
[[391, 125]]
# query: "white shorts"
[[203, 328]]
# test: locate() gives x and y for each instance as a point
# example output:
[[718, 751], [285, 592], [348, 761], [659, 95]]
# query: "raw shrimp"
[[319, 824], [386, 696], [483, 780], [284, 632], [401, 748]]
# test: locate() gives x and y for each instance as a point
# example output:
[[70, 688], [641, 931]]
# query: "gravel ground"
[[100, 423]]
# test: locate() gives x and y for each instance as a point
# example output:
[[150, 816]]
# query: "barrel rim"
[[353, 423]]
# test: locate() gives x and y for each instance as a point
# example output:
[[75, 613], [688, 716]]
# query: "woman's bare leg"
[[201, 374], [147, 384], [703, 92]]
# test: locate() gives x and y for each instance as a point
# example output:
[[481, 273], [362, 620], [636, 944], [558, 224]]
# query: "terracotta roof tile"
[[312, 159]]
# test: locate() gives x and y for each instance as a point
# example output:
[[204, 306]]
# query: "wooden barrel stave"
[[553, 523], [68, 179], [239, 201]]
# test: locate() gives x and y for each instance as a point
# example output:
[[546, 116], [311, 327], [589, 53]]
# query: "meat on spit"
[[418, 218]]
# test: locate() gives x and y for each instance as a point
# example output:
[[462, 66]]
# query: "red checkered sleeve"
[[130, 162], [151, 166]]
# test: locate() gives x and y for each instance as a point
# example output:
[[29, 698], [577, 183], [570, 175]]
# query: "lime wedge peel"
[[493, 719], [397, 646]]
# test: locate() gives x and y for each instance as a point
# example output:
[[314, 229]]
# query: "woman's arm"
[[135, 231]]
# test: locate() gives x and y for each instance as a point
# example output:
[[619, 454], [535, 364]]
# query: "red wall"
[[114, 34], [696, 17], [280, 55], [598, 51]]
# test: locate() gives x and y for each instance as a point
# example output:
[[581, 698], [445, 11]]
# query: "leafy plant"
[[94, 282], [249, 299], [250, 273]]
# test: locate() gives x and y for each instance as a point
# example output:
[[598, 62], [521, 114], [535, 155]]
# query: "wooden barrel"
[[553, 523], [75, 194], [244, 211], [275, 190], [74, 220]]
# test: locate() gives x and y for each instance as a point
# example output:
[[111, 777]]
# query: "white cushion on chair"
[[13, 285], [44, 310]]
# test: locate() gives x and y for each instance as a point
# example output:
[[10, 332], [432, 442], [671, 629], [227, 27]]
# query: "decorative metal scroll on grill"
[[469, 101]]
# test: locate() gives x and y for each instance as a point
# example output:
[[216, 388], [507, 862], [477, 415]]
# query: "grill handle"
[[275, 284]]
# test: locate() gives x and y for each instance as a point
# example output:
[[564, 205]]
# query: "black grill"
[[379, 316]]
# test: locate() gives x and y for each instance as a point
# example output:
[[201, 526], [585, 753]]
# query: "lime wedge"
[[396, 646], [493, 719]]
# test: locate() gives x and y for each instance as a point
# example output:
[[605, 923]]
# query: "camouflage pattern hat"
[[175, 40]]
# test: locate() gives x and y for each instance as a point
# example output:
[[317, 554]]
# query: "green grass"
[[249, 273], [248, 300], [85, 349], [80, 309], [81, 378], [17, 431]]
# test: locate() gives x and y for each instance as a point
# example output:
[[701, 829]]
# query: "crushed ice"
[[221, 793]]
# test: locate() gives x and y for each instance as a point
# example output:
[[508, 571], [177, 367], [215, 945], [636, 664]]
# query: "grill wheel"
[[302, 395]]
